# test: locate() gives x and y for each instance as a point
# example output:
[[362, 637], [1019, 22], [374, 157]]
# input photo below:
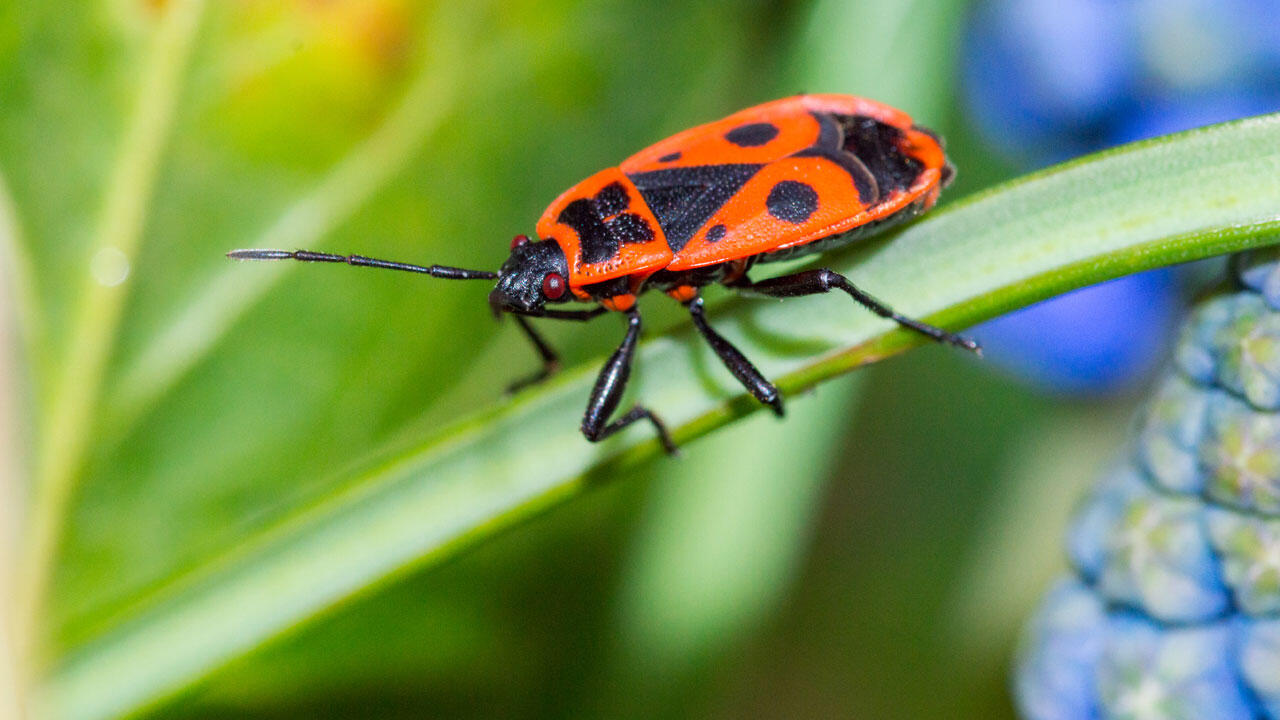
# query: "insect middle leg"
[[747, 374], [550, 358], [813, 282], [607, 393]]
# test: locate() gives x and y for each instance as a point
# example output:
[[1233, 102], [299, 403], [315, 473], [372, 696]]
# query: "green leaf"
[[1155, 203]]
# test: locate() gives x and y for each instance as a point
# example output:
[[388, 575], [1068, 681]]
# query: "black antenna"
[[439, 271]]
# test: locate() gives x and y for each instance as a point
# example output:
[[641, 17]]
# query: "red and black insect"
[[794, 176]]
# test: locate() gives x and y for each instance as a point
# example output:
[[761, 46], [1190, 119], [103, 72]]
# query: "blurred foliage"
[[219, 399]]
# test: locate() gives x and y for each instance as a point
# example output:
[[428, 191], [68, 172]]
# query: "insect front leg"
[[747, 374], [550, 358], [814, 282], [607, 393]]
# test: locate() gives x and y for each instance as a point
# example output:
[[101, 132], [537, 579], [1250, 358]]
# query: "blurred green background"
[[871, 556]]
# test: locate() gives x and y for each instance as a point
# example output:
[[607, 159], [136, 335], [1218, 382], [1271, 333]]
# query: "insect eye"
[[519, 240], [553, 286]]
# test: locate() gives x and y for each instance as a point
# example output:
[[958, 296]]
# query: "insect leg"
[[813, 282], [607, 393], [550, 358], [738, 364]]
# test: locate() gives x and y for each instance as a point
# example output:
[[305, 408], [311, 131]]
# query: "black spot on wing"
[[792, 201], [752, 134], [683, 199]]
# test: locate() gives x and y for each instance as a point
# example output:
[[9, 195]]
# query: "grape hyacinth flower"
[[1173, 609]]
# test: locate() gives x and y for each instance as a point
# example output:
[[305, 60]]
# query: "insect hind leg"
[[814, 282], [746, 373]]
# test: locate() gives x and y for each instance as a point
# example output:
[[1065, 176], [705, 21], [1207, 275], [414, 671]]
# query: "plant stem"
[[62, 441], [28, 328], [20, 322]]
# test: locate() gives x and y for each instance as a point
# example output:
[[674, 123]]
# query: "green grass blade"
[[16, 324], [64, 437], [19, 274], [1165, 201]]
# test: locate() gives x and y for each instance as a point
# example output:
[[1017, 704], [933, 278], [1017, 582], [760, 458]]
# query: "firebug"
[[791, 177]]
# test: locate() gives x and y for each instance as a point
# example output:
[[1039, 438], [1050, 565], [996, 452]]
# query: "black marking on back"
[[612, 199], [716, 233], [752, 134], [683, 199], [670, 157], [792, 201], [878, 145], [595, 242], [603, 225], [831, 145], [630, 228]]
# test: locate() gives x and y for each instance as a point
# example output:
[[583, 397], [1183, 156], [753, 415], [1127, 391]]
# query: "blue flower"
[[1046, 80], [1092, 340], [1174, 607]]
